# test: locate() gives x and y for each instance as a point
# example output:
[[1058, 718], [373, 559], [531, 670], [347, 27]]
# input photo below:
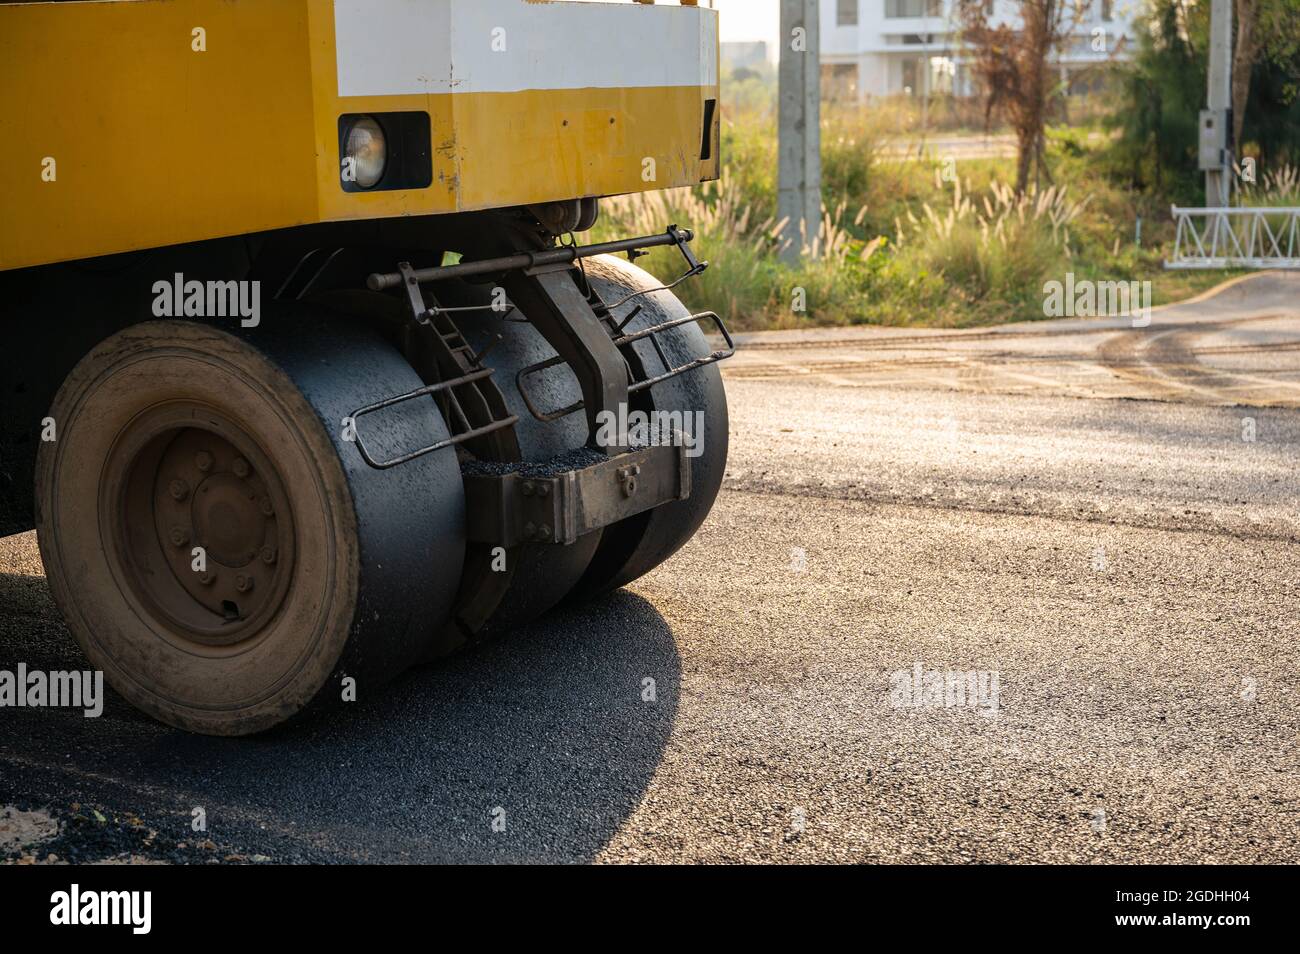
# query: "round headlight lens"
[[368, 152]]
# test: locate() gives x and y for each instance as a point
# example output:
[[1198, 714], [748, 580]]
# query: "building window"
[[846, 13], [1107, 10], [911, 75], [943, 73], [898, 9], [840, 81]]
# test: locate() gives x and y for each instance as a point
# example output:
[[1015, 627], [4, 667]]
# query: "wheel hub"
[[205, 535], [227, 520]]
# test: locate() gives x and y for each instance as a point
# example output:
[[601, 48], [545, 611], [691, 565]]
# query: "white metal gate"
[[1230, 237]]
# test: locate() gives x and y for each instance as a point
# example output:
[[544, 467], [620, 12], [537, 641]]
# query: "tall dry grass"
[[896, 243], [995, 248], [746, 281], [1276, 187]]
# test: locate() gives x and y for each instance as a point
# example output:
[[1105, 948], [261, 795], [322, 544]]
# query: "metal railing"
[[1232, 237]]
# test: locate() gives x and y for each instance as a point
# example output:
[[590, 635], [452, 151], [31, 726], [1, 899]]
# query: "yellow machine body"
[[136, 124]]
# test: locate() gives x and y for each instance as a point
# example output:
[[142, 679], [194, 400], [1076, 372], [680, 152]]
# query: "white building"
[[911, 47]]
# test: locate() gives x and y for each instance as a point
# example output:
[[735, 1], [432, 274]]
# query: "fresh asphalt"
[[1102, 518]]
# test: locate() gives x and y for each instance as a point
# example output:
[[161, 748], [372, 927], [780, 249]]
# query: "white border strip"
[[401, 47]]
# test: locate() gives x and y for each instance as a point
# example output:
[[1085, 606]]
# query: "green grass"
[[902, 244]]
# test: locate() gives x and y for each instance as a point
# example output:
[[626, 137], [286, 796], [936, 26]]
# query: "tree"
[[1011, 64], [1162, 92], [1243, 62], [1266, 30]]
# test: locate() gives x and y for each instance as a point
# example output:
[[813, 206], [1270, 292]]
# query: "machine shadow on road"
[[536, 747]]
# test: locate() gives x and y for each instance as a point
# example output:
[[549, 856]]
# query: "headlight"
[[367, 151]]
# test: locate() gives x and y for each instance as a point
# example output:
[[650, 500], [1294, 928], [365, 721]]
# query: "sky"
[[749, 20]]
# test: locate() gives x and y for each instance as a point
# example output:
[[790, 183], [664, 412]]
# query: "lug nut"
[[544, 532], [240, 467], [206, 577], [268, 509], [268, 555], [529, 531], [178, 489], [243, 583], [543, 489], [203, 461], [527, 488], [180, 536]]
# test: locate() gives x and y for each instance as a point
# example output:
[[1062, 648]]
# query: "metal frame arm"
[[559, 310]]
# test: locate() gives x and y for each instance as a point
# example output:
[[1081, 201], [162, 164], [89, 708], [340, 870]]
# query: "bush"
[[898, 244]]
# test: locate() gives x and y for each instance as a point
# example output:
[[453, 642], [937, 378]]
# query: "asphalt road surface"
[[1102, 518]]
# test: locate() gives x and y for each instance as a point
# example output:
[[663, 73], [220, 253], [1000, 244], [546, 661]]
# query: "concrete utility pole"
[[799, 160], [1216, 118]]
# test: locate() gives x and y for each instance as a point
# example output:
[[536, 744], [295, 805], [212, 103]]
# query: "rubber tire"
[[544, 573], [378, 552], [635, 546]]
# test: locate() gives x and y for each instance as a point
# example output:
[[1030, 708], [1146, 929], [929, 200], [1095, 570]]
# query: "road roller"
[[309, 374]]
